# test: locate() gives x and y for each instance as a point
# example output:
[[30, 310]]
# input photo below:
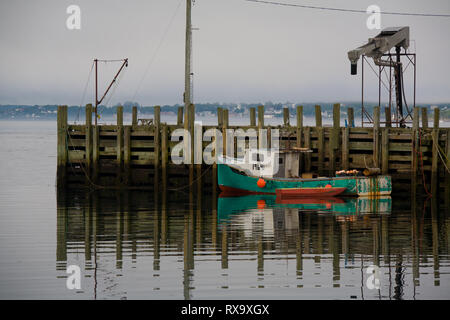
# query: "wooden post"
[[224, 130], [435, 155], [414, 151], [134, 116], [385, 151], [119, 145], [334, 138], [286, 117], [351, 117], [253, 117], [88, 141], [387, 117], [447, 173], [157, 123], [345, 150], [320, 150], [127, 155], [164, 153], [376, 139], [260, 117], [220, 117], [318, 116], [299, 134], [307, 135], [436, 118], [424, 118], [180, 116], [95, 153], [62, 155]]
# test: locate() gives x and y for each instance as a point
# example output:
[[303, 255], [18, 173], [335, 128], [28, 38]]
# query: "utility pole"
[[187, 71]]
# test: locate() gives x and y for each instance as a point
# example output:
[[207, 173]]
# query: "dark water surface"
[[181, 245]]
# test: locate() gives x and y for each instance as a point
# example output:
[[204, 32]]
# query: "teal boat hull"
[[232, 181]]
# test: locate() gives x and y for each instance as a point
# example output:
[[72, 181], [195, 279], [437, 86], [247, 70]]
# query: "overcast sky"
[[242, 52]]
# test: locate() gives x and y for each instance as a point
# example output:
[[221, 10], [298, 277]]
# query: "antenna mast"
[[187, 71]]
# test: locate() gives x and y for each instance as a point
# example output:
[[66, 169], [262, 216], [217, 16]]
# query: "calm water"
[[140, 245]]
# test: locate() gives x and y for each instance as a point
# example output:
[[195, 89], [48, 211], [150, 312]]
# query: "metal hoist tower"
[[379, 49]]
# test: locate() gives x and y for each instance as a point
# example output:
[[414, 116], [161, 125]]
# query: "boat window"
[[258, 157]]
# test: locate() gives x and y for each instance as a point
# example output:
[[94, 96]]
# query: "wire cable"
[[152, 59], [348, 10]]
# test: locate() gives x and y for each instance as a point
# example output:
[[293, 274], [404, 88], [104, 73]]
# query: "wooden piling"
[[220, 117], [424, 118], [376, 138], [157, 141], [334, 139], [299, 133], [119, 145], [414, 150], [307, 135], [345, 150], [385, 151], [134, 116], [435, 155], [387, 117], [62, 154], [95, 153], [127, 155], [164, 153], [318, 113], [224, 131], [351, 117], [88, 139], [180, 116], [260, 116], [286, 117], [253, 117]]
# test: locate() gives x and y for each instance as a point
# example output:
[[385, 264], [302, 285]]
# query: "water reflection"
[[194, 245]]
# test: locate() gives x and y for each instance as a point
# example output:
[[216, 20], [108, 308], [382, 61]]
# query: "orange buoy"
[[261, 183], [261, 203], [328, 186]]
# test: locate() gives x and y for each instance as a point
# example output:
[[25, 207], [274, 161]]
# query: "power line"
[[348, 10]]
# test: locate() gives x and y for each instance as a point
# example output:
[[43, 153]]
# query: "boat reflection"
[[230, 207]]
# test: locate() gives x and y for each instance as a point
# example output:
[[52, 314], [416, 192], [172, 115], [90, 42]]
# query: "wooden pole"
[[260, 116], [253, 117], [119, 145], [88, 141], [435, 155], [334, 138], [180, 116], [62, 155], [376, 138], [345, 150], [187, 66], [134, 116], [164, 153], [414, 150], [286, 117], [385, 151], [424, 118], [127, 155], [351, 117], [318, 116], [387, 117], [220, 117], [299, 134], [157, 123]]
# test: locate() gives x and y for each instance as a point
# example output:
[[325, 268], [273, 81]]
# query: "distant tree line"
[[47, 112]]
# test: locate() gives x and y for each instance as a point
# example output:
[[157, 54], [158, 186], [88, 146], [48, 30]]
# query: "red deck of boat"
[[308, 192]]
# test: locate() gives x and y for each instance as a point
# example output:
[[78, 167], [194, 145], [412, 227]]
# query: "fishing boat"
[[256, 173]]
